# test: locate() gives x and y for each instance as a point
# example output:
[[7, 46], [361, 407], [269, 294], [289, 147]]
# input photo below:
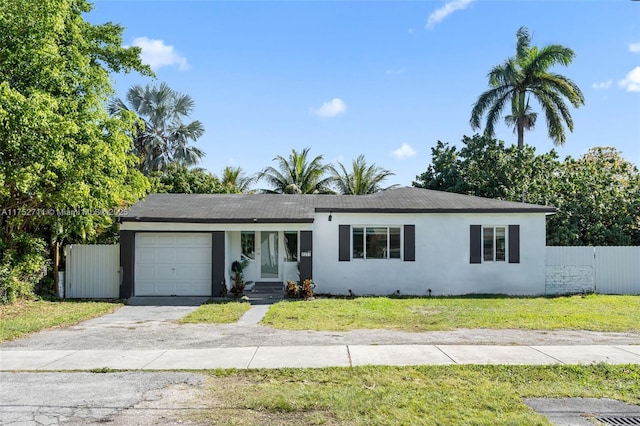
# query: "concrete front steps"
[[265, 293]]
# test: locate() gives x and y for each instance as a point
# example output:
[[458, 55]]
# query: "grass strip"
[[28, 316], [433, 395], [217, 313], [592, 312]]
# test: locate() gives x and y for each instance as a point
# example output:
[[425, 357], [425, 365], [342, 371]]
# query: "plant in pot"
[[237, 268]]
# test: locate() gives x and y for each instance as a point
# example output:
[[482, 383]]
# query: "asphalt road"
[[89, 398]]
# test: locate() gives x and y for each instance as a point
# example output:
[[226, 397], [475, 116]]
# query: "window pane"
[[376, 243], [248, 242], [394, 243], [358, 243], [501, 245], [487, 237], [291, 246]]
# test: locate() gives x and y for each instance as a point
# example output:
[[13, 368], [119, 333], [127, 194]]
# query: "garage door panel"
[[193, 255], [192, 241], [164, 254], [173, 264], [190, 273], [144, 272], [201, 287]]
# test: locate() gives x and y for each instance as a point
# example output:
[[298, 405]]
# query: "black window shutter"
[[409, 243], [344, 243], [514, 243], [475, 244]]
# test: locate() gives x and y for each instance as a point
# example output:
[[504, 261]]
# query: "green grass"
[[428, 395], [593, 312], [24, 317], [217, 313]]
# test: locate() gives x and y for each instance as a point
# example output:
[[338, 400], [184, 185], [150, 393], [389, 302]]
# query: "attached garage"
[[172, 264]]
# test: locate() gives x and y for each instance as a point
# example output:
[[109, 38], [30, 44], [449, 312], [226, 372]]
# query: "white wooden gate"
[[92, 271], [604, 270]]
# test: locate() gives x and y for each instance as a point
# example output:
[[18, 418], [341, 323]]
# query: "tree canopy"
[[60, 151], [362, 179], [179, 179], [597, 195], [162, 138], [297, 174], [522, 77]]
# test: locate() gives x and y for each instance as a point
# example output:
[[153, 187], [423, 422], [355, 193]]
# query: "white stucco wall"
[[442, 257]]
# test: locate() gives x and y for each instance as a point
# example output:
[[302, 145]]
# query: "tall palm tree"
[[297, 175], [521, 119], [362, 179], [234, 179], [163, 139], [526, 75]]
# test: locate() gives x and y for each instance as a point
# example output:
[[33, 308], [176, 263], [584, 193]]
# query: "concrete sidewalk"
[[314, 357]]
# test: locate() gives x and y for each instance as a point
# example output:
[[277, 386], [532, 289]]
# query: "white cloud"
[[634, 47], [394, 71], [602, 85], [332, 108], [632, 81], [405, 151], [438, 15], [156, 54]]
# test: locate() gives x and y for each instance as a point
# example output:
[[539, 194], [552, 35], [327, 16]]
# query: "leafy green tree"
[[179, 179], [598, 201], [163, 138], [64, 162], [524, 76], [297, 175], [361, 179], [235, 180], [597, 195]]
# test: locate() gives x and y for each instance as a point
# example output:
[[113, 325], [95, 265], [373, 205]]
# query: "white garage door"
[[173, 264]]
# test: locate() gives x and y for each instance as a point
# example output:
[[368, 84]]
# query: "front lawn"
[[217, 313], [28, 316], [593, 312], [427, 395]]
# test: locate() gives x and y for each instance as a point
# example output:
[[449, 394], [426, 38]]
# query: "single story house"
[[409, 241]]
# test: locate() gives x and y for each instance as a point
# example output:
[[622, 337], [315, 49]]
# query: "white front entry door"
[[269, 255], [173, 264]]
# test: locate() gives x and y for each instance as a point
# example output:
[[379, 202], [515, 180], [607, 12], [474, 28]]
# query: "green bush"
[[23, 266]]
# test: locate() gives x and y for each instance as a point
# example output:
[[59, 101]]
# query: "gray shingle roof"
[[274, 208]]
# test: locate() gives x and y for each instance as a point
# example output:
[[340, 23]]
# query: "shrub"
[[292, 289], [23, 265], [306, 289]]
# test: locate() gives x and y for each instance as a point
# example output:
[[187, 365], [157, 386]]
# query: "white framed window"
[[376, 242], [494, 243]]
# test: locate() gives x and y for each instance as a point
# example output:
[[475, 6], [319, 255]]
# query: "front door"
[[269, 258]]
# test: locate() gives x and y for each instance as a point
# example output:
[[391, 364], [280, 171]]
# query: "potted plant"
[[237, 268]]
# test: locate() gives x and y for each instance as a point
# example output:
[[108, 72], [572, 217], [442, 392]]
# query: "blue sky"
[[384, 79]]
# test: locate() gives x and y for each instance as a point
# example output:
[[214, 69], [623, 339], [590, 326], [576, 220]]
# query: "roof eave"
[[215, 220]]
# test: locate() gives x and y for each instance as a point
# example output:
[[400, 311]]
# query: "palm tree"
[[521, 119], [362, 179], [234, 179], [527, 75], [163, 138], [297, 175]]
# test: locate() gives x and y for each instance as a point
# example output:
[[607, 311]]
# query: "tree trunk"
[[520, 135]]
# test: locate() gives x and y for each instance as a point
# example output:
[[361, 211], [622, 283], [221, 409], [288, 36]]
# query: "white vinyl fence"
[[604, 270], [92, 271]]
